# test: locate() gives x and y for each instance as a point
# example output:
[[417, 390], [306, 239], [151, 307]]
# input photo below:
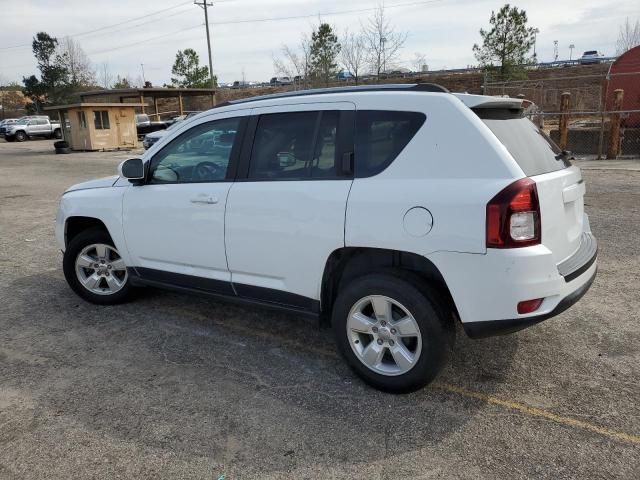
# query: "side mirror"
[[286, 159], [132, 169]]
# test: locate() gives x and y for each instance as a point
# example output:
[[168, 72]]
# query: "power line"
[[110, 26], [320, 14], [233, 22]]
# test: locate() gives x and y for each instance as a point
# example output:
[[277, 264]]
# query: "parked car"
[[32, 126], [344, 75], [349, 206], [151, 138], [144, 125], [276, 81], [6, 122], [590, 57]]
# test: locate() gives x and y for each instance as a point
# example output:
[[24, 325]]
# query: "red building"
[[625, 74]]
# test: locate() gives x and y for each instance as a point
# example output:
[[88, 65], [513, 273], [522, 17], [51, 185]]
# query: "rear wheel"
[[95, 270], [392, 331], [57, 133], [21, 136]]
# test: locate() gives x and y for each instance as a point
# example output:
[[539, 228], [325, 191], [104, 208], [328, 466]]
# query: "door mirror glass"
[[286, 159], [132, 169]]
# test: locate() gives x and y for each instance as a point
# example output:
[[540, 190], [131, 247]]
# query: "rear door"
[[285, 212], [560, 185]]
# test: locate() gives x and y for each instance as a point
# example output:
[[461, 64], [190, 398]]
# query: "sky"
[[120, 35]]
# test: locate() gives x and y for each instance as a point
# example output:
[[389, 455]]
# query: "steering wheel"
[[206, 171]]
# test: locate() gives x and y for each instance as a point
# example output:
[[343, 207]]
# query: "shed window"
[[101, 119], [82, 120]]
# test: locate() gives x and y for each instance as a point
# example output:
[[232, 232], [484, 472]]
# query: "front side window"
[[101, 120], [380, 137], [201, 154], [295, 146]]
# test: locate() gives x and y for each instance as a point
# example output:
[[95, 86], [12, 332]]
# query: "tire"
[[60, 144], [92, 245], [63, 150], [428, 335], [20, 136], [57, 133]]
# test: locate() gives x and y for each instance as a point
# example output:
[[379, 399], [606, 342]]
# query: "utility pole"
[[555, 50], [204, 6], [144, 80]]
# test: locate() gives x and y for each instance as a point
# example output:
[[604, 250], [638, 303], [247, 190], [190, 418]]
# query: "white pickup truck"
[[29, 127]]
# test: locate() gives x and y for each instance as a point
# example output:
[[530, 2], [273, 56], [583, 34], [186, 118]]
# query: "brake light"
[[513, 216]]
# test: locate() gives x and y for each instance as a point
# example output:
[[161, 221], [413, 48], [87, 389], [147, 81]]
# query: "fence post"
[[564, 119], [614, 129]]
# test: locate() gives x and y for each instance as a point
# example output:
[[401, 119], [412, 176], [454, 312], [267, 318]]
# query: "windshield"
[[530, 146]]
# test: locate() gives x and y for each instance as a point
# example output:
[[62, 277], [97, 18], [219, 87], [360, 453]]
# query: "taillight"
[[513, 216]]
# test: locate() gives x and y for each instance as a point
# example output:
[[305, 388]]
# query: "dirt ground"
[[172, 386]]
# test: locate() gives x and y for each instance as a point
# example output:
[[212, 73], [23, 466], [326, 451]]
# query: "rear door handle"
[[204, 198]]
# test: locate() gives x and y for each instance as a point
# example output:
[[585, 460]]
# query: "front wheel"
[[21, 136], [392, 330], [95, 270]]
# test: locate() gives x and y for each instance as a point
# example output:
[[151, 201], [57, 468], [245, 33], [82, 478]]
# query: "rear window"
[[380, 137], [530, 146]]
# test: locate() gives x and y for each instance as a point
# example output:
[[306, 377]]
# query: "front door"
[[287, 215], [174, 223]]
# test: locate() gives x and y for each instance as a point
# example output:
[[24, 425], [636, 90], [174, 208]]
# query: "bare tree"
[[382, 42], [77, 63], [289, 64], [628, 37], [419, 61], [292, 62], [353, 53], [105, 77]]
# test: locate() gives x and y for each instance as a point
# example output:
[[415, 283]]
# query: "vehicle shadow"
[[258, 390]]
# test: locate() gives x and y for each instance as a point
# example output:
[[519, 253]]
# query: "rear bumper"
[[486, 288], [503, 327]]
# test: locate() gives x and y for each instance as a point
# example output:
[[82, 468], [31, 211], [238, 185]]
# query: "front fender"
[[104, 204]]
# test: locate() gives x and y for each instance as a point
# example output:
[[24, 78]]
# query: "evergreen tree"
[[188, 72], [506, 45], [324, 53]]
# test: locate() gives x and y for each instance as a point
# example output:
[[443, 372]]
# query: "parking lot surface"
[[172, 386]]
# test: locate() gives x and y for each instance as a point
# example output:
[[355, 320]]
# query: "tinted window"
[[298, 145], [381, 136], [201, 154], [530, 147]]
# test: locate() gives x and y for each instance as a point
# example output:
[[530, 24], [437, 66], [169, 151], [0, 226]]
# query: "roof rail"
[[394, 87]]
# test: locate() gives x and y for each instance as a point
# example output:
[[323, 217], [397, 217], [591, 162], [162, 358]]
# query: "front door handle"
[[204, 198]]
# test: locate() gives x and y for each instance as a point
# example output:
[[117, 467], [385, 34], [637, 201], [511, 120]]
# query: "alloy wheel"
[[100, 269], [384, 335]]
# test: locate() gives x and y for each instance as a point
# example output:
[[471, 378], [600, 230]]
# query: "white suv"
[[389, 212]]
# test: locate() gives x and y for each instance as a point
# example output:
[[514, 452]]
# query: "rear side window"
[[530, 146], [295, 146], [380, 137]]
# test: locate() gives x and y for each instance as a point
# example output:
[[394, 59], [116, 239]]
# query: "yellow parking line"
[[520, 407], [537, 412]]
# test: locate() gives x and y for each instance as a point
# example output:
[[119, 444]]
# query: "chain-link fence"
[[597, 114]]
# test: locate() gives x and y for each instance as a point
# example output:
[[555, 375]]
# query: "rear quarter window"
[[380, 137], [530, 146]]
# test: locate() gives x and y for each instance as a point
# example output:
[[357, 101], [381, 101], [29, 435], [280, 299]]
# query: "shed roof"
[[151, 92], [93, 104]]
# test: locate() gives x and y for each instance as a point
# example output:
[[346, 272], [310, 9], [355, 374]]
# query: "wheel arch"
[[78, 224], [347, 263]]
